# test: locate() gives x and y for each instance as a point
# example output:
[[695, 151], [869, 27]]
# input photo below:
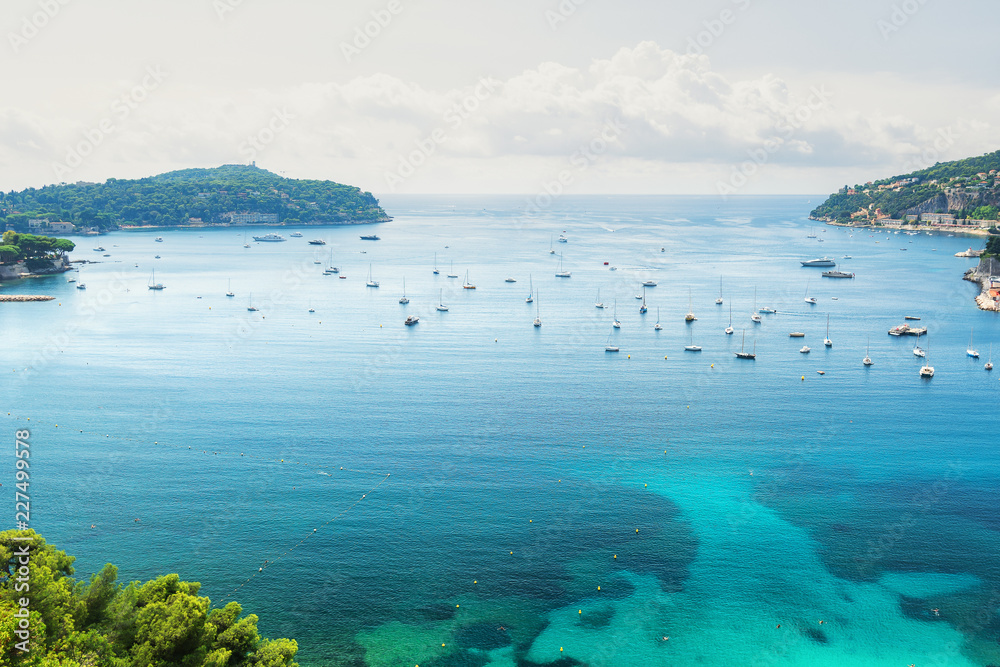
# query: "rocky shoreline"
[[988, 268], [941, 229]]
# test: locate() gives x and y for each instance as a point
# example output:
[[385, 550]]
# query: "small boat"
[[269, 238], [867, 361], [719, 300], [153, 285], [403, 300], [599, 303], [796, 334], [811, 299], [657, 326], [837, 274], [467, 284], [691, 347], [848, 257], [531, 291], [742, 354], [441, 307], [563, 239], [315, 241], [608, 347], [71, 280], [910, 317], [159, 239], [805, 349], [371, 283], [561, 273], [229, 288], [614, 322], [250, 307], [452, 274], [411, 320], [99, 249], [926, 371], [649, 283], [296, 235], [538, 319], [509, 280], [436, 272], [769, 311], [551, 251], [918, 351], [826, 341], [371, 237], [81, 286], [989, 364], [729, 329], [642, 308], [690, 315], [822, 261], [971, 351]]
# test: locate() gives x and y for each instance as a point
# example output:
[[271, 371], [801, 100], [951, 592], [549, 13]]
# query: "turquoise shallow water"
[[484, 474]]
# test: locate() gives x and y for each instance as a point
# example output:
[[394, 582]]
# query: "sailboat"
[[531, 291], [467, 284], [250, 307], [971, 351], [403, 300], [443, 308], [152, 282], [918, 351], [311, 309], [436, 272], [692, 347], [229, 288], [809, 299], [657, 326], [452, 274], [561, 273], [614, 322], [245, 243], [551, 250], [331, 270], [754, 315], [642, 308], [927, 371], [729, 329], [599, 303], [719, 300], [690, 316], [538, 318], [989, 363], [371, 283], [746, 355], [867, 361], [827, 341], [608, 347]]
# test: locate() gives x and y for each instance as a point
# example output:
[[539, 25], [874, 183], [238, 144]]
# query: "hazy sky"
[[635, 96]]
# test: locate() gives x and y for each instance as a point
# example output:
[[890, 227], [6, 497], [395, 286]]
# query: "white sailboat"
[[608, 347], [229, 288], [867, 361], [657, 326], [719, 300], [531, 291], [809, 299], [691, 347], [690, 316], [826, 341], [614, 322], [551, 250], [371, 283], [311, 309], [436, 272], [971, 351], [452, 274], [729, 329], [918, 351], [538, 317], [403, 300], [927, 371], [153, 285], [467, 284], [742, 354], [250, 307], [642, 308], [599, 303], [441, 307], [754, 315], [245, 243], [561, 273], [989, 363]]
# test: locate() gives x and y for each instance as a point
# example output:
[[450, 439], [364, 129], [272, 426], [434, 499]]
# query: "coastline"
[[982, 274], [950, 229], [218, 225]]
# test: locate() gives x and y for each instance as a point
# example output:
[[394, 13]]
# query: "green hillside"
[[175, 197], [967, 188]]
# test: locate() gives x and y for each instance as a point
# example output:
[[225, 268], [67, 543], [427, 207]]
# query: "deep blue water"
[[508, 471]]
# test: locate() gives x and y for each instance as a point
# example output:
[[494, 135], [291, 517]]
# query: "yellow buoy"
[[581, 611], [474, 581], [598, 588], [803, 378], [629, 356], [616, 556], [713, 365]]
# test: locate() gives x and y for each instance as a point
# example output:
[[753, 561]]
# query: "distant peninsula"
[[230, 195], [958, 196]]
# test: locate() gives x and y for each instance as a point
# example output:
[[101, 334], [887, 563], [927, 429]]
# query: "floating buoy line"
[[269, 562]]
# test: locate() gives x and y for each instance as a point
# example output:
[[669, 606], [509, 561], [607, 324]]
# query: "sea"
[[474, 490]]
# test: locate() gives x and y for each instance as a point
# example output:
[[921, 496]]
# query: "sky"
[[723, 97]]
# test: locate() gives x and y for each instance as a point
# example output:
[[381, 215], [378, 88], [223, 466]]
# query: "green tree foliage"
[[16, 247], [174, 197], [984, 213], [993, 246], [160, 623]]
